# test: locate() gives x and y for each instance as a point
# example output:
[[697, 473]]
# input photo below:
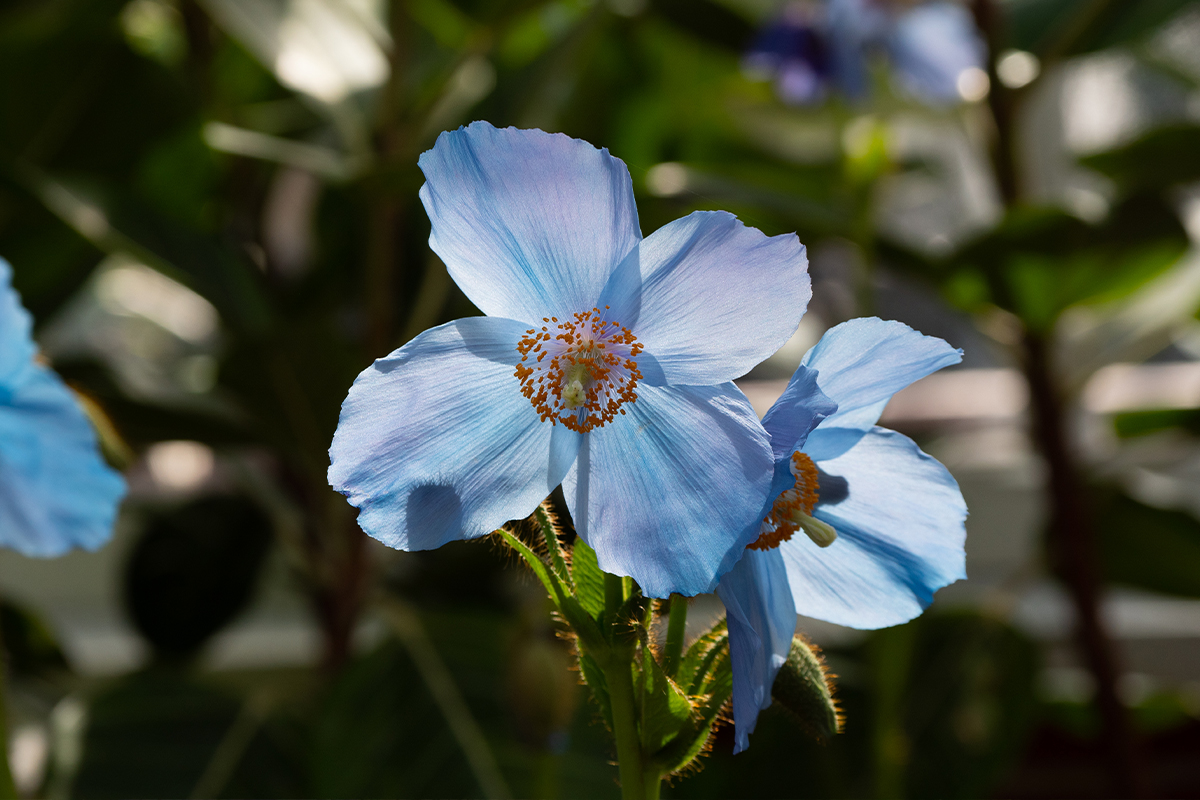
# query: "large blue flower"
[[603, 364], [814, 47], [884, 521], [56, 492]]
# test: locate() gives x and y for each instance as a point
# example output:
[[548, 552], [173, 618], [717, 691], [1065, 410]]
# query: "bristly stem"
[[676, 627], [618, 675], [624, 715]]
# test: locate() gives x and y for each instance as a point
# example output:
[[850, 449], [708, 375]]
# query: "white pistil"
[[573, 394]]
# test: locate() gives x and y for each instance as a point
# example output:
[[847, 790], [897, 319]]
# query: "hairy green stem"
[[676, 627], [618, 675], [614, 594], [653, 782], [624, 716]]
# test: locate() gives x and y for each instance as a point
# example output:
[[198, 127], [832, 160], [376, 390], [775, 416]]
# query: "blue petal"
[[668, 493], [56, 492], [530, 224], [931, 45], [709, 298], [862, 363], [436, 442], [798, 410], [16, 343], [762, 620], [900, 537]]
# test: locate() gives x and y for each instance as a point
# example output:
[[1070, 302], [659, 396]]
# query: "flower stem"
[[624, 715], [618, 675], [676, 627], [653, 782]]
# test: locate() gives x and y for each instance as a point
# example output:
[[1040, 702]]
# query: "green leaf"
[[572, 611], [708, 668], [549, 581], [1162, 158], [699, 661], [1039, 261], [589, 580], [1147, 547], [686, 747], [665, 709], [1141, 423], [803, 688], [1068, 27], [593, 676], [548, 526]]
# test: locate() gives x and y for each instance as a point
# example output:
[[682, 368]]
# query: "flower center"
[[579, 372], [793, 509]]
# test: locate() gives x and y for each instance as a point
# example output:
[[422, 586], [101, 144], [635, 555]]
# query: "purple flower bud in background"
[[813, 48]]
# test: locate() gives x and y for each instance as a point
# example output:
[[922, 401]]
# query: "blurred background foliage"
[[211, 209]]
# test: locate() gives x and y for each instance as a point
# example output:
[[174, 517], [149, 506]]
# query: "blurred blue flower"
[[603, 364], [56, 492], [817, 46], [884, 522]]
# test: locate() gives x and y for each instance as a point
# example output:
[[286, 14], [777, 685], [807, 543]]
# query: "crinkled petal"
[[862, 363], [931, 45], [16, 343], [900, 538], [56, 492], [709, 297], [668, 491], [798, 410], [762, 620], [436, 442], [530, 224]]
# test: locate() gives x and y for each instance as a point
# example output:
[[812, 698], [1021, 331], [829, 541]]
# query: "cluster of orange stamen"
[[581, 371], [780, 524]]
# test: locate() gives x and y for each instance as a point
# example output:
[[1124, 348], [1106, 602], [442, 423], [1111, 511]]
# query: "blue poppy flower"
[[56, 492], [604, 364], [813, 48], [883, 522]]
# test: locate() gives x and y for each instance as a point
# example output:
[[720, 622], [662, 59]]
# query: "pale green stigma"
[[573, 394], [822, 533]]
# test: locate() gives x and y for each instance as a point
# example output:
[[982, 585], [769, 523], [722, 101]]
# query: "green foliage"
[[664, 708], [1147, 547], [159, 733], [675, 718], [1161, 158], [28, 643], [1039, 261], [381, 734], [589, 580], [1074, 27], [1141, 423], [969, 703], [103, 151]]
